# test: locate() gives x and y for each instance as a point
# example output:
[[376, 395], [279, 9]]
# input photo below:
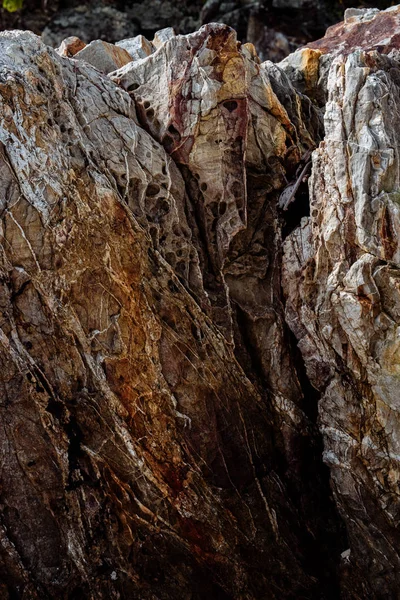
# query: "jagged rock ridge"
[[161, 437]]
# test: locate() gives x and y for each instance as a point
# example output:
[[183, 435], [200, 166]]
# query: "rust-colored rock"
[[70, 46], [363, 29], [139, 458], [179, 355]]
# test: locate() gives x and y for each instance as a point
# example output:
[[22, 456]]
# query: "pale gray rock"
[[341, 283], [162, 36], [359, 14], [137, 47], [105, 57]]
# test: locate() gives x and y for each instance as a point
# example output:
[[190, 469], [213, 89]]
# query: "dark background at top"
[[296, 21]]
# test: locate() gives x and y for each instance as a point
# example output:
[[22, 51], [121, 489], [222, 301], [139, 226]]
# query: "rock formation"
[[341, 281], [198, 356]]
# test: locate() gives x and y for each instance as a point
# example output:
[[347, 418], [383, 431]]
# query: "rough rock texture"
[[365, 29], [104, 56], [70, 46], [341, 281], [137, 47], [139, 460], [166, 371]]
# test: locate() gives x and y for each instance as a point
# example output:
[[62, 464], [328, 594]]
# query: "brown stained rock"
[[216, 111], [236, 130], [105, 57], [138, 459], [70, 46], [365, 29], [303, 67], [161, 428]]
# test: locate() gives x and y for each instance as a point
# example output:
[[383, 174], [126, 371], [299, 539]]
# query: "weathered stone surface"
[[365, 29], [305, 69], [139, 459], [341, 282], [137, 47], [163, 36], [105, 57], [70, 46], [217, 112], [162, 425]]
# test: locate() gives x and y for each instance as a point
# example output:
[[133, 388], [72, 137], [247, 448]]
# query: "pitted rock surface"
[[199, 389]]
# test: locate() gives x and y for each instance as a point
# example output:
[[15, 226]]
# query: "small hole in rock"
[[132, 87], [231, 105], [150, 113], [164, 207], [146, 104], [203, 187], [213, 207], [173, 131], [172, 286], [237, 189], [168, 141], [154, 235], [152, 189]]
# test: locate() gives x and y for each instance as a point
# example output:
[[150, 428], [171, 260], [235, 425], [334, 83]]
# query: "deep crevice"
[[322, 553], [299, 208], [75, 438]]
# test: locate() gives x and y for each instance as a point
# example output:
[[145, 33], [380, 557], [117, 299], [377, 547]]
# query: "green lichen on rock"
[[12, 5]]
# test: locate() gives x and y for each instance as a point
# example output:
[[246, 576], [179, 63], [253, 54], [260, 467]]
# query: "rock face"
[[362, 29], [175, 348], [140, 460], [341, 280]]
